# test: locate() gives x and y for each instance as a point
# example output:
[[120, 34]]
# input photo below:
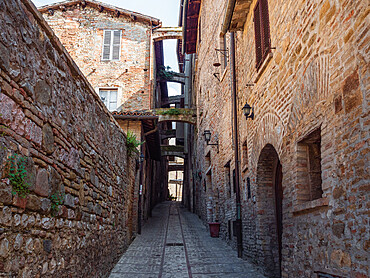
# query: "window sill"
[[309, 206], [261, 70]]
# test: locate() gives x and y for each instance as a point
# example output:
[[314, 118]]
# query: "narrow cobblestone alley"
[[175, 243]]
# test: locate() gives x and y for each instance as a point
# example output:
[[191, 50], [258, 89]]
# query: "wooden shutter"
[[116, 45], [257, 34], [262, 31], [265, 28], [107, 44]]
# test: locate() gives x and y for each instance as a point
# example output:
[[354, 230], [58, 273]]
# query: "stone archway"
[[269, 207]]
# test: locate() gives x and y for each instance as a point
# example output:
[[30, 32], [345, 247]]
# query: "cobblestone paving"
[[175, 243]]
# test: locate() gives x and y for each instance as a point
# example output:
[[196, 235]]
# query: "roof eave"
[[132, 14]]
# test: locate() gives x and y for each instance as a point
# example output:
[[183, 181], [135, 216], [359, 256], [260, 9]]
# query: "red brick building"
[[111, 46], [297, 169]]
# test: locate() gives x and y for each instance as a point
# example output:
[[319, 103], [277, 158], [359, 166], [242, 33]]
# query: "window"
[[262, 31], [245, 154], [109, 97], [309, 167], [111, 45], [228, 179]]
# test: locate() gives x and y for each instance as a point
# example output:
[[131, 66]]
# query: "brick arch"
[[267, 192], [269, 131]]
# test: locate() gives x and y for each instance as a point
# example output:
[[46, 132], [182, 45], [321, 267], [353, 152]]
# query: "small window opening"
[[109, 97], [245, 154], [309, 167], [227, 179]]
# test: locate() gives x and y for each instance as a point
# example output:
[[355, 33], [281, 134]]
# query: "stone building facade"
[[111, 46], [79, 214], [303, 159]]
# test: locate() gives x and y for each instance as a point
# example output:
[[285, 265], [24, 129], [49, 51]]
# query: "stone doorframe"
[[269, 208]]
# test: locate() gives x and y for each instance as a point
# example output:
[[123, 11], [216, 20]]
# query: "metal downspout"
[[239, 237]]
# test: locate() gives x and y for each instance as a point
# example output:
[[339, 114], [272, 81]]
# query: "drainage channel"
[[185, 249], [165, 242], [183, 243]]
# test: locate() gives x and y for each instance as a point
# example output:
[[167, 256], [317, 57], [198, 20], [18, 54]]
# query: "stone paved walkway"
[[174, 243]]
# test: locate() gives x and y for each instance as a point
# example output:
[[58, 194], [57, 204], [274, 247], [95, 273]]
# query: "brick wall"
[[51, 116], [80, 29], [317, 78]]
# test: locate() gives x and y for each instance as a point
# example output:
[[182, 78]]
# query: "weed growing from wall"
[[18, 176], [132, 143], [171, 111], [56, 200], [165, 73]]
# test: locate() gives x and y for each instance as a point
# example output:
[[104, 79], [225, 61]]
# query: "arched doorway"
[[269, 206]]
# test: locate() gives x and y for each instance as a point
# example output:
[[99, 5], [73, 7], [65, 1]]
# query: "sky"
[[165, 10]]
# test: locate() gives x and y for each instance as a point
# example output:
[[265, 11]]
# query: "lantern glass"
[[247, 110], [207, 135]]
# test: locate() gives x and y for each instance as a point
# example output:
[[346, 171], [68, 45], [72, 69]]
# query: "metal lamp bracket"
[[224, 52]]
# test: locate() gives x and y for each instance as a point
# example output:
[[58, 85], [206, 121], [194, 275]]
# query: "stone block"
[[4, 248], [42, 92], [42, 187], [69, 201], [48, 139], [55, 180], [45, 205], [34, 203], [4, 56], [18, 242], [6, 196], [338, 229], [47, 245], [31, 172]]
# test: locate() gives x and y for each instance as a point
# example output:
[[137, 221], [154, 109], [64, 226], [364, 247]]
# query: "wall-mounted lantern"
[[248, 111], [207, 138], [142, 158]]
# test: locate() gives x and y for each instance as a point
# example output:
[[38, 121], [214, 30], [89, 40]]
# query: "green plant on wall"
[[56, 200], [18, 176], [171, 111], [132, 143], [165, 73]]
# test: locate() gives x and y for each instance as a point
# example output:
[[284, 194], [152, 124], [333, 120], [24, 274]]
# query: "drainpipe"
[[152, 87], [238, 225]]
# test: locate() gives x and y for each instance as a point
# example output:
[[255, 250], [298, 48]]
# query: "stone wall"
[[316, 79], [52, 118], [81, 28]]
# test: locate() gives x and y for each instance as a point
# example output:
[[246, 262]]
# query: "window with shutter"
[[262, 31], [109, 97], [111, 45], [116, 47]]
